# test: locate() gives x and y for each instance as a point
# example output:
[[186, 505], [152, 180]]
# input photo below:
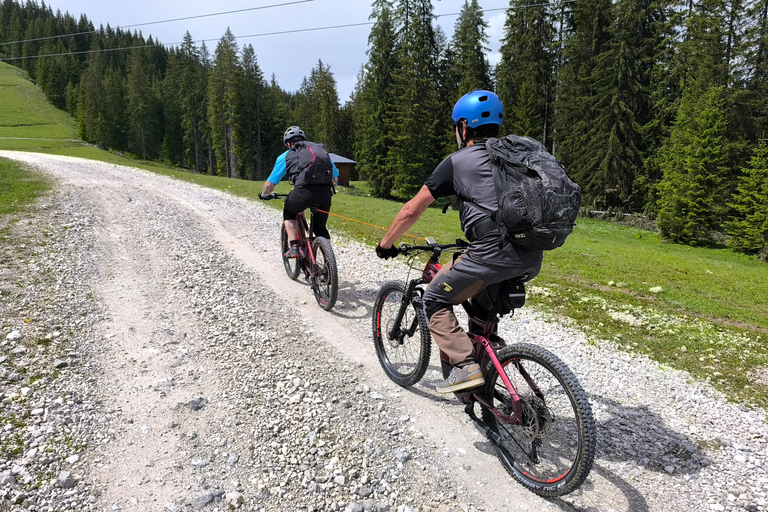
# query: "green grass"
[[710, 317], [25, 113], [18, 188]]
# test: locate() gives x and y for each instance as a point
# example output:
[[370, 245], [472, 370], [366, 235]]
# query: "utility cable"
[[263, 34], [164, 21]]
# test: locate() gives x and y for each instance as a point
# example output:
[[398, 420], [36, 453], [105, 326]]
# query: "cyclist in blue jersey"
[[313, 174]]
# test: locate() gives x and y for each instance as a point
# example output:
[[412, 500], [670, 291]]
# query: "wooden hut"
[[344, 165]]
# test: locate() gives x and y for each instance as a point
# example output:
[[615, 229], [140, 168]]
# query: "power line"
[[164, 21], [263, 34]]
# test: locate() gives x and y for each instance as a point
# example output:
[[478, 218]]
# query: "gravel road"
[[154, 356]]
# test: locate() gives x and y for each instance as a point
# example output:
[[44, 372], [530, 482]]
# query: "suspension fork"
[[406, 301]]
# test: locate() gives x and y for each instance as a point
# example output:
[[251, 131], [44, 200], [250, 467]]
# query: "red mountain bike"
[[316, 260], [533, 409]]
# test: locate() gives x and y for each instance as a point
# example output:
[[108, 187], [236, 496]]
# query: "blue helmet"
[[479, 108]]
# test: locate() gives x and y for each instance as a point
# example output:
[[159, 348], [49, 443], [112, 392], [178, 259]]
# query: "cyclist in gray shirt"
[[478, 273]]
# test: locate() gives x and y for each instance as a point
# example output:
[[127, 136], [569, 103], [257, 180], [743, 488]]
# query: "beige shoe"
[[465, 377]]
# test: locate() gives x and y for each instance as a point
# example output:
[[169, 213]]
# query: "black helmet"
[[291, 132]]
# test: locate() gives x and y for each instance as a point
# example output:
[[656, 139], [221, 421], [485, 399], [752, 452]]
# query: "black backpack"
[[538, 204], [314, 165]]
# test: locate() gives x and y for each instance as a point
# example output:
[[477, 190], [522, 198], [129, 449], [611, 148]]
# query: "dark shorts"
[[304, 197]]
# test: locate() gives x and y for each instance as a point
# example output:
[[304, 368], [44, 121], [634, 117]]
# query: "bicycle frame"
[[305, 237], [431, 269]]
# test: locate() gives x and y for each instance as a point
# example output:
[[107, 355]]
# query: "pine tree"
[[192, 96], [469, 46], [749, 230], [318, 106], [222, 101], [173, 136], [374, 103], [607, 166], [694, 162], [143, 107], [251, 118], [420, 120], [524, 79], [586, 35], [756, 64]]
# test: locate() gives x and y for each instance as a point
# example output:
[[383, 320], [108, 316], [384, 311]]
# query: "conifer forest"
[[654, 107]]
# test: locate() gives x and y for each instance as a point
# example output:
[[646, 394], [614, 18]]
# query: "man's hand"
[[392, 252], [266, 197]]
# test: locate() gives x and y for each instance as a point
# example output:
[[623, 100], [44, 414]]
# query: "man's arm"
[[268, 188], [407, 216], [278, 171]]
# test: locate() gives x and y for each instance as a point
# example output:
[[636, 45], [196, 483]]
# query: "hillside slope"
[[27, 120]]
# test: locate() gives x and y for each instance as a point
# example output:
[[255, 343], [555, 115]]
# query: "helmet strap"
[[462, 141]]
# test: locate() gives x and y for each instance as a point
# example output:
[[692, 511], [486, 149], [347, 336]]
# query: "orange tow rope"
[[365, 223]]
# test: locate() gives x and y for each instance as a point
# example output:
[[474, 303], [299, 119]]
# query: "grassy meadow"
[[704, 310]]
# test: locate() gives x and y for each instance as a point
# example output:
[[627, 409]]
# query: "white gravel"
[[155, 356]]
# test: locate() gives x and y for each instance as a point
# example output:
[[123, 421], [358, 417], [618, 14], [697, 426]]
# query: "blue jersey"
[[280, 169]]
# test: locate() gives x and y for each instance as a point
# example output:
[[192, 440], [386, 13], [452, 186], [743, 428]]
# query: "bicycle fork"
[[409, 298]]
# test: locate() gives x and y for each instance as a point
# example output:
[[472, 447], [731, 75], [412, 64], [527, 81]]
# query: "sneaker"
[[293, 252], [466, 377]]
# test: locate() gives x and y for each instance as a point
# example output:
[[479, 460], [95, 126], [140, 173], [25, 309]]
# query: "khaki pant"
[[456, 282]]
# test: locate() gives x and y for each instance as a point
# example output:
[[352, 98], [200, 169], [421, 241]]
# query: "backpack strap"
[[478, 230]]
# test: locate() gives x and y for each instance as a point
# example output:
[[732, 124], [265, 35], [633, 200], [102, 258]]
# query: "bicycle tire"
[[405, 359], [292, 265], [561, 426], [326, 285]]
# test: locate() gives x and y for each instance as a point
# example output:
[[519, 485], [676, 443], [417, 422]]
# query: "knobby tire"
[[292, 265], [559, 431], [404, 359], [326, 287]]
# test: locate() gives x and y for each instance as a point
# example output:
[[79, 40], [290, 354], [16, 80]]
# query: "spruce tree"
[[251, 118], [524, 76], [173, 137], [192, 96], [222, 100], [469, 47], [586, 34], [143, 107], [375, 103], [420, 120], [691, 205], [749, 229]]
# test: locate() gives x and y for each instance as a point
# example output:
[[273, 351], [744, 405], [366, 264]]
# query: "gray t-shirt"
[[468, 174]]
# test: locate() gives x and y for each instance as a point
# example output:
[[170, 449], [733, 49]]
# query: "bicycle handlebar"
[[433, 246], [273, 195]]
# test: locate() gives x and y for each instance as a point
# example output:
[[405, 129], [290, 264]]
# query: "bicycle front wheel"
[[292, 265], [551, 452], [403, 350], [326, 285]]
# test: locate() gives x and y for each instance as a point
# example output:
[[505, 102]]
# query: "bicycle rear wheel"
[[326, 285], [552, 451], [404, 356], [292, 265]]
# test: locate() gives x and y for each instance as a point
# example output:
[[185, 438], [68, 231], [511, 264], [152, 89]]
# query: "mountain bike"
[[533, 409], [316, 260]]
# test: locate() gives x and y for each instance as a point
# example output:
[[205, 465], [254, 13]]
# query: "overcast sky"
[[290, 57]]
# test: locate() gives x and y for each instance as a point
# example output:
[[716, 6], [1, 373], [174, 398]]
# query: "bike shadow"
[[354, 302], [633, 442], [639, 436]]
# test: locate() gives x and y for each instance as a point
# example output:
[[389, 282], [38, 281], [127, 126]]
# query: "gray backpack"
[[538, 204], [312, 167]]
